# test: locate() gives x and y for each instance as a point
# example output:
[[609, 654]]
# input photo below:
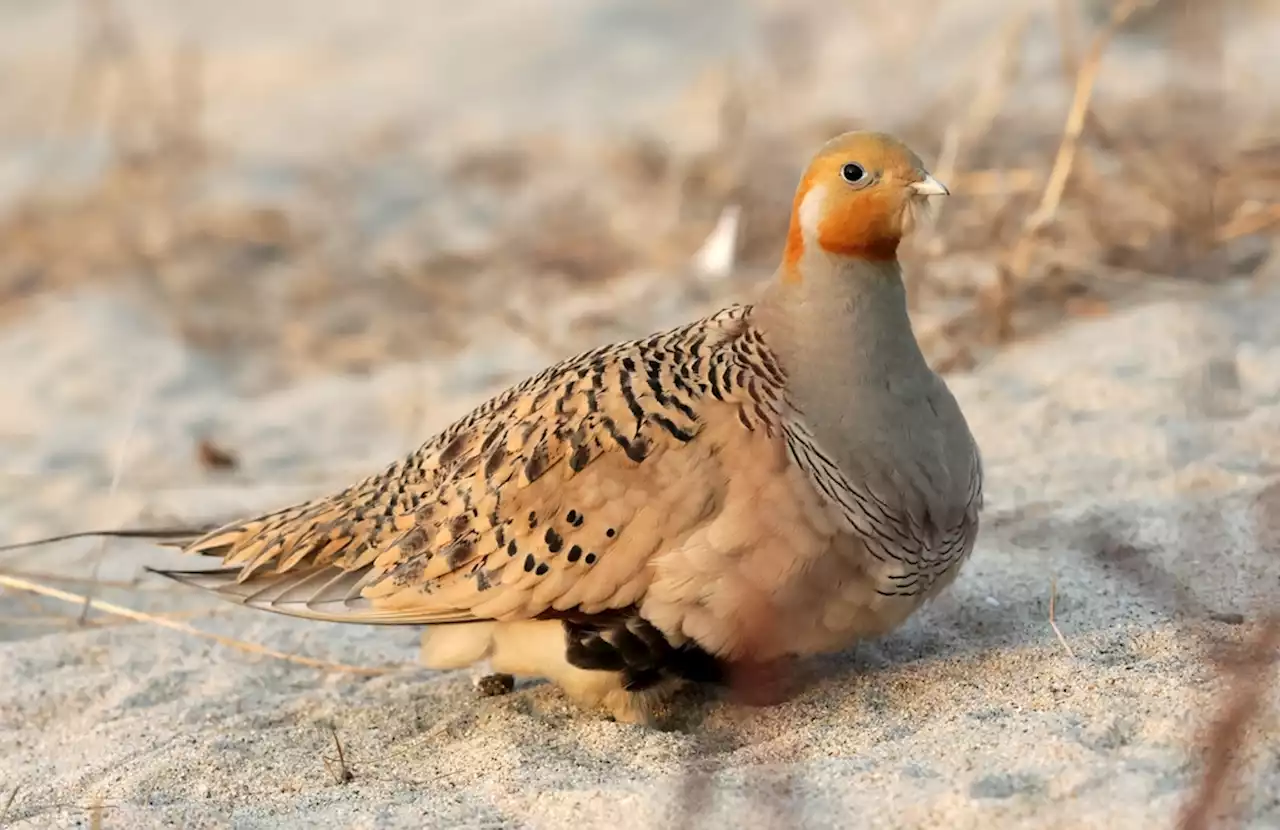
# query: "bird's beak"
[[929, 186]]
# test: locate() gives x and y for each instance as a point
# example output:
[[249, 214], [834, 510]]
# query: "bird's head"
[[857, 199]]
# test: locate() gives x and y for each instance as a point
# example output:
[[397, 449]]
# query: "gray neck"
[[844, 323], [862, 387]]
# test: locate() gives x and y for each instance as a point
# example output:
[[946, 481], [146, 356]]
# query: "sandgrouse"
[[776, 479]]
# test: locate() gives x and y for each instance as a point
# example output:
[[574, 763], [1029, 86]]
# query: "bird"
[[778, 479]]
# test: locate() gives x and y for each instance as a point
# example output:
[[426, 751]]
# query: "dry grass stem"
[[1064, 161], [214, 456], [1019, 263], [1086, 79], [8, 802], [1053, 623], [337, 767]]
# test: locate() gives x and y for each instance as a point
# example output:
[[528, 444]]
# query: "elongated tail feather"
[[173, 537]]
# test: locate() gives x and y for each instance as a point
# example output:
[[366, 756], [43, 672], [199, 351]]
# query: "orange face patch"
[[867, 221], [866, 224]]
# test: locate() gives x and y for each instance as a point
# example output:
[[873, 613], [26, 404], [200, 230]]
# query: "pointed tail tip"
[[167, 537]]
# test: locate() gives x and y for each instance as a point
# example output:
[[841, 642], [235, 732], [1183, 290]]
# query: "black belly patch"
[[627, 643]]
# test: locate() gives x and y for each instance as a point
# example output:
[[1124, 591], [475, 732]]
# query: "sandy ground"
[[1142, 475], [1133, 461]]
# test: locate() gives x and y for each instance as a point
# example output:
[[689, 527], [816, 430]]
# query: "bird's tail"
[[173, 537], [223, 539], [325, 592]]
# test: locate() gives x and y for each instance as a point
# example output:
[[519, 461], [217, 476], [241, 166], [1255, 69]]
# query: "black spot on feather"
[[537, 464], [492, 437], [408, 572], [458, 552], [682, 435], [453, 449], [494, 462], [413, 542]]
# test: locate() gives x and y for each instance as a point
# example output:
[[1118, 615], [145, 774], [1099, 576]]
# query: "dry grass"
[[1056, 219], [1053, 622], [1029, 197]]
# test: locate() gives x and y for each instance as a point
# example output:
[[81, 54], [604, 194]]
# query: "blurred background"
[[250, 251]]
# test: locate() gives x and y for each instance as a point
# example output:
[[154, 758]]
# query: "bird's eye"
[[853, 173]]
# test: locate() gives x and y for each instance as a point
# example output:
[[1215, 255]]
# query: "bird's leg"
[[490, 683], [539, 648]]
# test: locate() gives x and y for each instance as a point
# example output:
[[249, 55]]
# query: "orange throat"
[[853, 235]]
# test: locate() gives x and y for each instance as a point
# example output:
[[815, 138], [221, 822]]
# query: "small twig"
[[129, 613], [1086, 78], [343, 774], [1063, 163], [213, 456], [9, 803], [1053, 597]]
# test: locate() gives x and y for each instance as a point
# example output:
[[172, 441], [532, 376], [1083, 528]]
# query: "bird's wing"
[[551, 496]]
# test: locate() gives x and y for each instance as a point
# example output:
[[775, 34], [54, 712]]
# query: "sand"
[[1133, 469], [1136, 471]]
